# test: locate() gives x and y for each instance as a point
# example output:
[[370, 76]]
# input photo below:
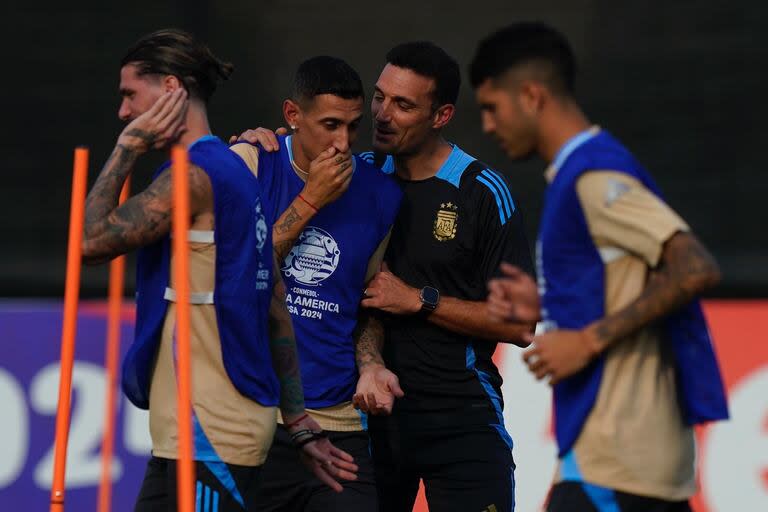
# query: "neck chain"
[[298, 169]]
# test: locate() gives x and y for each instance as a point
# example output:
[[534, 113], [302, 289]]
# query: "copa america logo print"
[[314, 257], [261, 227]]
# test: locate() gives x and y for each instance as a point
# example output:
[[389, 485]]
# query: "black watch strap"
[[430, 298]]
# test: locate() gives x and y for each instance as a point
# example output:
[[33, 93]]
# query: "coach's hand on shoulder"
[[561, 353], [329, 177], [514, 297], [159, 126], [376, 390], [328, 463], [389, 293], [264, 136]]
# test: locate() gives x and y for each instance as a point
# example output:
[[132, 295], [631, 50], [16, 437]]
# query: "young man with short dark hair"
[[625, 346], [335, 213]]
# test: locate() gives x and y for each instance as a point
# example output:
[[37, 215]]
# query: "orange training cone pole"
[[185, 468], [69, 329], [114, 311]]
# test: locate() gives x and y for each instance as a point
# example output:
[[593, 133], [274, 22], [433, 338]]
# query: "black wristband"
[[308, 435], [300, 433]]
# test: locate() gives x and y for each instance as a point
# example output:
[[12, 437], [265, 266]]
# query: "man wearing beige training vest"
[[625, 346], [240, 371]]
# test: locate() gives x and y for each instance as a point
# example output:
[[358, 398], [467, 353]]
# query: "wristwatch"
[[430, 297]]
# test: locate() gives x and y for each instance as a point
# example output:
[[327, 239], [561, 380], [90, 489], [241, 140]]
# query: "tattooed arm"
[[285, 359], [111, 230], [141, 220], [685, 270], [289, 226], [377, 386], [103, 197], [369, 340], [327, 463], [329, 176]]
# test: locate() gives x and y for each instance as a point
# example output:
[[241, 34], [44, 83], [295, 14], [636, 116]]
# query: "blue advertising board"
[[30, 334]]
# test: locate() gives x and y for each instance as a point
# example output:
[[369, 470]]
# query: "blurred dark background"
[[682, 82]]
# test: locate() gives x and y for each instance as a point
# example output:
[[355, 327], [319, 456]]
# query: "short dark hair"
[[526, 43], [427, 59], [175, 52], [326, 75]]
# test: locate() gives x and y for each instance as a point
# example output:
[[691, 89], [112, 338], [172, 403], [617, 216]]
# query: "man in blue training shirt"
[[240, 372], [625, 346], [335, 213]]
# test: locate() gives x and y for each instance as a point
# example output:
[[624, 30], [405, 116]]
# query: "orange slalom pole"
[[69, 328], [114, 313], [180, 219]]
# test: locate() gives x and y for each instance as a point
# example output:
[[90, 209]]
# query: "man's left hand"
[[159, 126], [328, 463], [377, 389], [560, 354], [389, 293]]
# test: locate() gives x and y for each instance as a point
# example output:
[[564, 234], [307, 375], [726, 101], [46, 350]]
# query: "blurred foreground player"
[[239, 372], [625, 346], [335, 214]]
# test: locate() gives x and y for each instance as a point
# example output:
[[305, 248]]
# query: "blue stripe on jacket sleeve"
[[484, 181], [503, 188]]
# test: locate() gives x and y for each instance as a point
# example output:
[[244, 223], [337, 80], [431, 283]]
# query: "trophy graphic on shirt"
[[314, 257], [261, 226]]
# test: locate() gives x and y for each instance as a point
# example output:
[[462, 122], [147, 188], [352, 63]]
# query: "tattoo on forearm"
[[369, 339], [286, 365], [281, 249], [685, 271], [287, 219], [144, 218], [285, 359], [286, 231], [104, 195]]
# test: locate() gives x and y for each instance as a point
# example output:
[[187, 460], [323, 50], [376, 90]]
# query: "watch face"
[[430, 295]]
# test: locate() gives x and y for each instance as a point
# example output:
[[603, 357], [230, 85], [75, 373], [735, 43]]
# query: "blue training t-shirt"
[[325, 271]]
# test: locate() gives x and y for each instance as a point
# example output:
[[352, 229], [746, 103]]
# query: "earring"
[[293, 127]]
